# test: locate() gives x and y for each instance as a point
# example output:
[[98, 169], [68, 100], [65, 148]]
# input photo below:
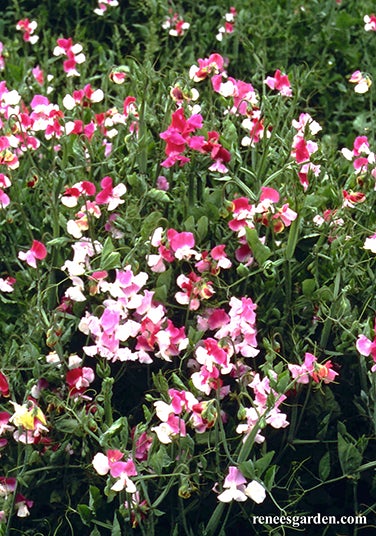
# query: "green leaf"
[[95, 498], [308, 287], [95, 532], [85, 513], [116, 529], [350, 458], [324, 466], [248, 469], [202, 227], [259, 250], [263, 463], [160, 460], [115, 429], [109, 258]]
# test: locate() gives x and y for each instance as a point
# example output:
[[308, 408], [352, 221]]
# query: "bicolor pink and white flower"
[[279, 82], [28, 28], [37, 252], [370, 23]]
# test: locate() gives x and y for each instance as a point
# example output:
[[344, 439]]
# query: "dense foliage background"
[[114, 339]]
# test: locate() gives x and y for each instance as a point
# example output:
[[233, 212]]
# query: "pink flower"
[[4, 385], [73, 52], [367, 347], [103, 5], [211, 65], [6, 285], [78, 380], [110, 195], [28, 28], [370, 23], [38, 251], [311, 368], [175, 25], [234, 486], [279, 82], [22, 505], [111, 463], [229, 24], [362, 82]]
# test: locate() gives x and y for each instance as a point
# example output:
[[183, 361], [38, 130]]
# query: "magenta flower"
[[4, 385], [28, 28], [74, 54], [279, 82], [37, 251], [367, 347], [212, 65], [110, 195], [78, 380]]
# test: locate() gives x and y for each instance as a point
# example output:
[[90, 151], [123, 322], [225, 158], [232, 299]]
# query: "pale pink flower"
[[362, 81], [234, 486]]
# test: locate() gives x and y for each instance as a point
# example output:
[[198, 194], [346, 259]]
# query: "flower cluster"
[[229, 24], [303, 147], [74, 54], [103, 6], [179, 137], [176, 25], [28, 28], [312, 369]]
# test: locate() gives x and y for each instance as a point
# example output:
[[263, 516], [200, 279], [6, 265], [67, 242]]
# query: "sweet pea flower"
[[362, 81], [22, 505], [37, 251], [367, 347], [370, 243], [4, 385], [234, 485], [6, 285], [279, 82], [28, 28], [175, 25], [103, 5], [255, 491], [370, 23]]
